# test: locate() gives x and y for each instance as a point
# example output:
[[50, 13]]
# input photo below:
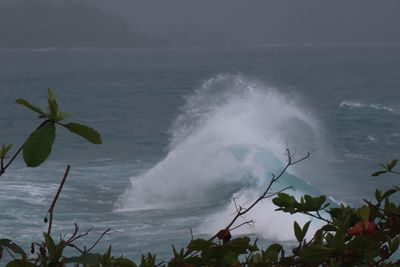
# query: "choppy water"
[[186, 130]]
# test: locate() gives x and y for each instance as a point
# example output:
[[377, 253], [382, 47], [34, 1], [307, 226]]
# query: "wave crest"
[[358, 105], [229, 138]]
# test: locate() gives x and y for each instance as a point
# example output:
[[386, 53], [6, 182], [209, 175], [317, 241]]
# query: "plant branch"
[[53, 204], [98, 240], [280, 191], [3, 168], [240, 225], [318, 216], [75, 237], [264, 195], [379, 208]]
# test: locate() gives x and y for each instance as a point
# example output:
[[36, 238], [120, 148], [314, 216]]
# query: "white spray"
[[229, 139]]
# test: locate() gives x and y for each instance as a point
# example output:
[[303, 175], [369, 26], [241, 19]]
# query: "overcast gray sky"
[[263, 21], [214, 22]]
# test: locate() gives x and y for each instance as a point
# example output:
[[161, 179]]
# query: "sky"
[[243, 22], [262, 21]]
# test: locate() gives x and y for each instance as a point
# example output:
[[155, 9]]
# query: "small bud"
[[224, 235], [45, 220]]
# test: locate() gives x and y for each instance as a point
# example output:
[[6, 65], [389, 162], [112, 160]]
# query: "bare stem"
[[4, 167], [53, 204], [242, 211], [75, 236]]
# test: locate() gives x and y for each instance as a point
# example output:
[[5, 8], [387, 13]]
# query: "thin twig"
[[240, 225], [75, 247], [75, 236], [380, 209], [242, 211], [236, 206], [319, 217], [98, 240], [191, 233], [3, 168], [264, 195], [280, 191], [53, 204]]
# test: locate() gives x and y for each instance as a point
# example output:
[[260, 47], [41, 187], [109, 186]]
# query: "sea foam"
[[228, 140]]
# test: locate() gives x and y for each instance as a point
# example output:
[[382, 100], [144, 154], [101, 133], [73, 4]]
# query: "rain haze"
[[132, 23]]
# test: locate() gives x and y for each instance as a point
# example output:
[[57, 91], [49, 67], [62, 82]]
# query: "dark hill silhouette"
[[39, 24]]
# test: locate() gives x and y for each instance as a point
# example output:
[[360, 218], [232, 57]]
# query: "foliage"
[[37, 147], [363, 236]]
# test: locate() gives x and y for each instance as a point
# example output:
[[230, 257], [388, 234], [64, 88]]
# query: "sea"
[[191, 134]]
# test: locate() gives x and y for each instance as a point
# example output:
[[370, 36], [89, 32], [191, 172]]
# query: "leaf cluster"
[[37, 148]]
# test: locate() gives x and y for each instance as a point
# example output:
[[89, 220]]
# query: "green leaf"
[[4, 150], [272, 252], [338, 240], [7, 243], [392, 164], [38, 146], [62, 115], [364, 213], [121, 262], [200, 244], [28, 105], [378, 173], [84, 131], [194, 260], [238, 245], [53, 106], [305, 228], [378, 195], [315, 253], [329, 228], [287, 203], [51, 246], [321, 200], [20, 263], [298, 232], [176, 254], [389, 193], [87, 258]]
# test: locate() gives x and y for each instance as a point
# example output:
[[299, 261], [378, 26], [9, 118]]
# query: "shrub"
[[362, 236]]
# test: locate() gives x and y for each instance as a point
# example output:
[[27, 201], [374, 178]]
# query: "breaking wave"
[[229, 138]]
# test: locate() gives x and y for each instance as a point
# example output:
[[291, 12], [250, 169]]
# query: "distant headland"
[[69, 24]]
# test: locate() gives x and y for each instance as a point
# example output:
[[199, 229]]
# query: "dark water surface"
[[163, 112]]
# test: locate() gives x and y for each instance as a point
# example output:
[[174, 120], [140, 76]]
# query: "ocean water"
[[187, 130]]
